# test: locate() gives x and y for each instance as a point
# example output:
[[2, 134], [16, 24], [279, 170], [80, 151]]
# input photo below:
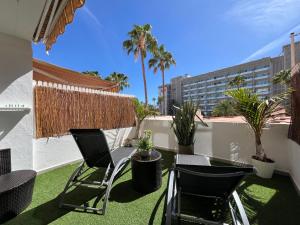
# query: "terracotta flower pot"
[[186, 149]]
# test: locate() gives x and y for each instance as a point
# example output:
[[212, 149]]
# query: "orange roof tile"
[[43, 71]]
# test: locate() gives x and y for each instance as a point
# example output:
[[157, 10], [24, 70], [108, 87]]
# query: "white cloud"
[[265, 15], [273, 45]]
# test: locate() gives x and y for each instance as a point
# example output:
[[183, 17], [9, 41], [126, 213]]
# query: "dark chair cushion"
[[217, 181], [5, 161], [93, 146]]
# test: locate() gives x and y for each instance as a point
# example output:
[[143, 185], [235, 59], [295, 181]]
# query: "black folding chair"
[[96, 154], [211, 189]]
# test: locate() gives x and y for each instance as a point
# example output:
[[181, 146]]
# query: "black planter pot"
[[146, 172]]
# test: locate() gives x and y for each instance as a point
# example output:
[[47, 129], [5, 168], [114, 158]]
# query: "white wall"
[[294, 157], [57, 151], [234, 141], [16, 87]]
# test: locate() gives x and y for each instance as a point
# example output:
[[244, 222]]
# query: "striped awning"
[[56, 15]]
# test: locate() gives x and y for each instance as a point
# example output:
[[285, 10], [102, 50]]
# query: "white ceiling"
[[20, 17]]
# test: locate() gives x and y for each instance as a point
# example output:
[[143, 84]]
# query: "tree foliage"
[[92, 73], [139, 43], [161, 60], [283, 77], [224, 108], [141, 112], [119, 78], [238, 81]]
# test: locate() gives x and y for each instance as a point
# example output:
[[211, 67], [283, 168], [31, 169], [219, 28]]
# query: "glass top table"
[[195, 160]]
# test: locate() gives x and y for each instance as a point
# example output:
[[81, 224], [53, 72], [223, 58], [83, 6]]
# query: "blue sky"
[[202, 35]]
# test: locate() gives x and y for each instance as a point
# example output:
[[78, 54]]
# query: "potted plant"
[[257, 113], [184, 126], [146, 165], [141, 112], [145, 145]]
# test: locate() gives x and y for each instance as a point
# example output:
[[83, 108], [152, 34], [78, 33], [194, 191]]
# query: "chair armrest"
[[240, 208], [5, 161], [170, 198]]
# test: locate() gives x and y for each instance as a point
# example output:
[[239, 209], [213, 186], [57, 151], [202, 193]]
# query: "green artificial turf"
[[267, 202]]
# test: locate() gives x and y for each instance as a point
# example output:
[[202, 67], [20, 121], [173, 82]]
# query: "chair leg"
[[116, 170], [233, 216], [70, 183], [107, 181], [179, 202]]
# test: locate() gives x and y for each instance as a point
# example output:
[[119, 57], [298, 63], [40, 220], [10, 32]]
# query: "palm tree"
[[283, 77], [119, 78], [139, 43], [161, 60], [256, 112], [154, 101], [159, 99], [238, 81], [92, 73], [224, 108]]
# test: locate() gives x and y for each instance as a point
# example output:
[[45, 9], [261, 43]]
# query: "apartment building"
[[208, 89], [165, 107]]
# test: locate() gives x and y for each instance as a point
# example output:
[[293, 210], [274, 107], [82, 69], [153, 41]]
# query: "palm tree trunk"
[[163, 88], [144, 78], [137, 131], [259, 149]]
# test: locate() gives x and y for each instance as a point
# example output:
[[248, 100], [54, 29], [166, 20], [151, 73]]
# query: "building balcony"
[[216, 85], [262, 77], [262, 85]]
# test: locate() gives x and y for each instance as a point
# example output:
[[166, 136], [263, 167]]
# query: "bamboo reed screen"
[[56, 111]]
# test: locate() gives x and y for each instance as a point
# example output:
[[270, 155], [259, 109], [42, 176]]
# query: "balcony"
[[261, 198], [261, 77], [262, 85]]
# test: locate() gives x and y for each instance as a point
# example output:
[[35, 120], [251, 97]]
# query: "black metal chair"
[[210, 191], [16, 188], [96, 154]]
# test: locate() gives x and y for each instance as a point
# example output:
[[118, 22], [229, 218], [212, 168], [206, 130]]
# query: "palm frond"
[[283, 77], [119, 78], [256, 111]]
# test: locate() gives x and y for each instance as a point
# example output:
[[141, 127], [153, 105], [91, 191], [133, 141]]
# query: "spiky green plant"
[[256, 112], [183, 123]]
